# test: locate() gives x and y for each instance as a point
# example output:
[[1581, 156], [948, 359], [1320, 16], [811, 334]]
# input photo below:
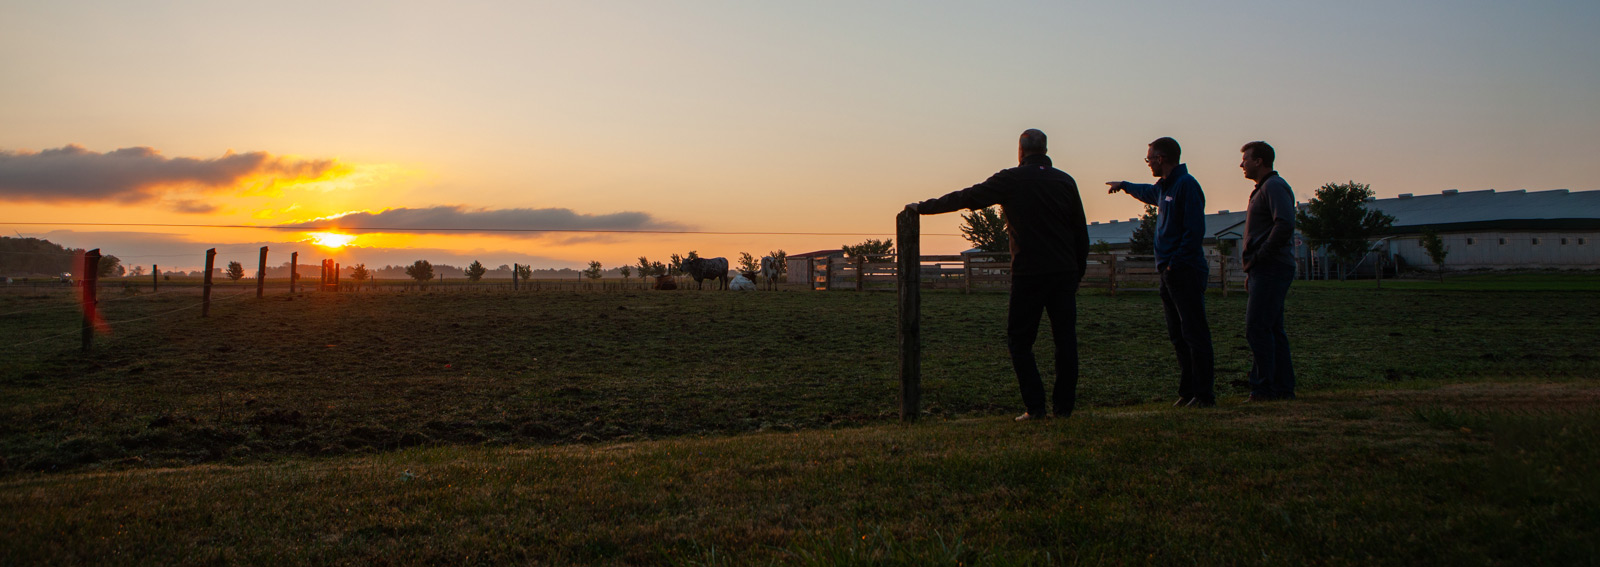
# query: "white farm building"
[[1481, 229]]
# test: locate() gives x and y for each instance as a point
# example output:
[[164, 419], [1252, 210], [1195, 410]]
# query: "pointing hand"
[[1115, 186]]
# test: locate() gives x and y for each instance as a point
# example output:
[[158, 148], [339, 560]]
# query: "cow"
[[743, 282], [769, 272], [702, 269], [665, 283]]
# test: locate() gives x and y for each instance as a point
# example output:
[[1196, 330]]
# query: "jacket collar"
[[1264, 180], [1177, 173], [1036, 159]]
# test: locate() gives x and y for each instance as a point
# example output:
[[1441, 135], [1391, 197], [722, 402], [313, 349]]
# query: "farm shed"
[[802, 268], [1485, 229]]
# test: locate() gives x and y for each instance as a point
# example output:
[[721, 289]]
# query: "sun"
[[330, 239]]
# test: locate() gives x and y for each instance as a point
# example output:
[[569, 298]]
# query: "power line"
[[456, 229]]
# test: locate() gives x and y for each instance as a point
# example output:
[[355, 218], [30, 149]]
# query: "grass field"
[[1440, 424]]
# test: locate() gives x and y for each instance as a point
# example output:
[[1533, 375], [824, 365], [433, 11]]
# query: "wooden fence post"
[[91, 277], [155, 277], [1112, 265], [294, 269], [514, 277], [909, 262], [261, 274], [861, 272], [205, 294]]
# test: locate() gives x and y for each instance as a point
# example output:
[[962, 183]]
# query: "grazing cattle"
[[702, 269], [666, 282], [742, 282], [769, 272]]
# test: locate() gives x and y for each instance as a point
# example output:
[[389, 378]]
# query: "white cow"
[[741, 283], [769, 272]]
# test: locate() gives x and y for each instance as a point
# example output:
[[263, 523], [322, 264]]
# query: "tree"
[[675, 267], [1100, 247], [359, 273], [235, 271], [644, 267], [475, 271], [782, 258], [111, 266], [626, 271], [1435, 249], [594, 270], [524, 271], [137, 271], [747, 263], [658, 268], [1337, 220], [1143, 241], [420, 270], [1225, 246], [986, 230], [870, 246]]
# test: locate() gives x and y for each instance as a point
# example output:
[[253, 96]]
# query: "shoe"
[[1202, 404], [1031, 417], [1183, 401]]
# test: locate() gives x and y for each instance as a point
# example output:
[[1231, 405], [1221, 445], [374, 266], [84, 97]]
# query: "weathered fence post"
[[909, 262], [1112, 266], [261, 273], [155, 277], [294, 269], [205, 294], [514, 267], [861, 272], [91, 276]]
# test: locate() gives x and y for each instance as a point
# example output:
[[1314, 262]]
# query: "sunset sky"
[[743, 117]]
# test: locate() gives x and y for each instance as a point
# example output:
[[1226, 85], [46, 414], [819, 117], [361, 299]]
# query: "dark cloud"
[[461, 219], [136, 175], [191, 206]]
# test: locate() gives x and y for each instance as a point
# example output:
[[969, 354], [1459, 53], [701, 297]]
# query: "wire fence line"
[[79, 330]]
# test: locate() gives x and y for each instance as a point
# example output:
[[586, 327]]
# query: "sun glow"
[[330, 239]]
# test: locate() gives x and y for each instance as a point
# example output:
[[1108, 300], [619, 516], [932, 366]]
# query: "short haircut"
[[1032, 142], [1261, 151], [1168, 148]]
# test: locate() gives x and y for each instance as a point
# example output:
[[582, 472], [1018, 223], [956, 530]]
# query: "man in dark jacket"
[[1269, 269], [1049, 249], [1180, 230]]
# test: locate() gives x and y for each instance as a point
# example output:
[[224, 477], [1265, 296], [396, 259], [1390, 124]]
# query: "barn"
[[1485, 229]]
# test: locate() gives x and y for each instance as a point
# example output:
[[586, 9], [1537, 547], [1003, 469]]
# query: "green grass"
[[1277, 484], [326, 374], [1438, 426]]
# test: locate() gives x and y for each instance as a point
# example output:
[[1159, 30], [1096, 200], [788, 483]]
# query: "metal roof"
[[1444, 211]]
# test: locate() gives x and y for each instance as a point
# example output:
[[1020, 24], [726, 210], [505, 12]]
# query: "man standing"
[[1049, 249], [1180, 230], [1269, 269]]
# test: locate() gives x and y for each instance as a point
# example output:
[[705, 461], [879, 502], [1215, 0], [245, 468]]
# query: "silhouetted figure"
[[1269, 269], [1049, 249], [1181, 262]]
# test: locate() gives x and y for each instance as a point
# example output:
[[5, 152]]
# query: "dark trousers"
[[1272, 374], [1183, 296], [1031, 296]]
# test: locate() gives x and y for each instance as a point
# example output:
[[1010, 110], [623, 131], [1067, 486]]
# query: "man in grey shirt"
[[1269, 269]]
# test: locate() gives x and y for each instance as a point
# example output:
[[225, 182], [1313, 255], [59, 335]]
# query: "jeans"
[[1031, 296], [1183, 296], [1272, 374]]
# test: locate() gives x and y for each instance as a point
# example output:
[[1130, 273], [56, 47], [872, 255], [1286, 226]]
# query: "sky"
[[794, 125]]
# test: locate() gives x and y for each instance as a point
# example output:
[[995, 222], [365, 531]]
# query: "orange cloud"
[[141, 174]]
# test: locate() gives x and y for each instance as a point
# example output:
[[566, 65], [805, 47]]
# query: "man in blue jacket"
[[1049, 249], [1180, 230]]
